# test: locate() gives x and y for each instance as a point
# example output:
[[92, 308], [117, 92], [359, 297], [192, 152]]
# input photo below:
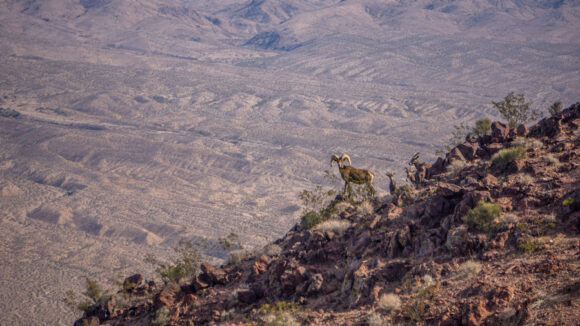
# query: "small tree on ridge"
[[515, 109]]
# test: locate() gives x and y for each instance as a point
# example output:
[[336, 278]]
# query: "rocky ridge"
[[411, 259]]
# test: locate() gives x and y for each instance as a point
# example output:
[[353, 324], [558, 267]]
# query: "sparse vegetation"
[[515, 109], [555, 108], [336, 226], [230, 242], [455, 167], [524, 179], [482, 127], [389, 302], [405, 193], [526, 142], [185, 266], [568, 201], [483, 217], [458, 135], [317, 206], [162, 317], [505, 156], [281, 313], [93, 294], [418, 305], [550, 159], [468, 269], [236, 256]]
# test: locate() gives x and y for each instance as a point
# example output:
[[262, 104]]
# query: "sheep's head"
[[340, 160], [414, 159]]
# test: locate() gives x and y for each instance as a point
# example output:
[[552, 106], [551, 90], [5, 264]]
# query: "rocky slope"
[[413, 259]]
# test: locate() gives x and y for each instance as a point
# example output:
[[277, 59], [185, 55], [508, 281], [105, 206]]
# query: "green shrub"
[[515, 109], [502, 158], [568, 201], [93, 294], [482, 127], [184, 267], [528, 244], [555, 108], [309, 220], [483, 216], [162, 317]]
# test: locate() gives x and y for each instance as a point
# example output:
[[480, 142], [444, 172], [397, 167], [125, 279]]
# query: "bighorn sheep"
[[393, 185], [354, 175], [422, 172]]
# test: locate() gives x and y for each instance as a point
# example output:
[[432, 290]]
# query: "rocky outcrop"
[[414, 261]]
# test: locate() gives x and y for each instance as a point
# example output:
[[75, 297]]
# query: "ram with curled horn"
[[354, 175]]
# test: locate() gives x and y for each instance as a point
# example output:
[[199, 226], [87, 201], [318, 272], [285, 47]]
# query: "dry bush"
[[550, 159], [389, 302], [524, 179], [455, 167], [365, 208], [373, 318], [271, 249], [336, 226], [526, 142], [508, 218], [468, 269], [236, 256]]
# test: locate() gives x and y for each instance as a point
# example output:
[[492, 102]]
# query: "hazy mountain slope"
[[145, 121]]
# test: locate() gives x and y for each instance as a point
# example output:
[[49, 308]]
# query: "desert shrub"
[[230, 242], [568, 201], [365, 208], [271, 249], [505, 156], [417, 306], [373, 318], [524, 179], [483, 216], [455, 167], [482, 127], [93, 294], [280, 314], [555, 108], [509, 218], [336, 226], [236, 256], [527, 244], [162, 316], [317, 206], [405, 192], [389, 302], [526, 142], [457, 137], [468, 269], [550, 159], [309, 220], [183, 267], [515, 109]]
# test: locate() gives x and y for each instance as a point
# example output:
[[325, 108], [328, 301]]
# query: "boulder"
[[132, 282], [468, 150], [214, 274], [167, 296], [499, 131], [522, 130]]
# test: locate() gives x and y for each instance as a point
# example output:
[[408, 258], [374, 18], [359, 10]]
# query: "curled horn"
[[346, 157], [334, 158], [415, 158]]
